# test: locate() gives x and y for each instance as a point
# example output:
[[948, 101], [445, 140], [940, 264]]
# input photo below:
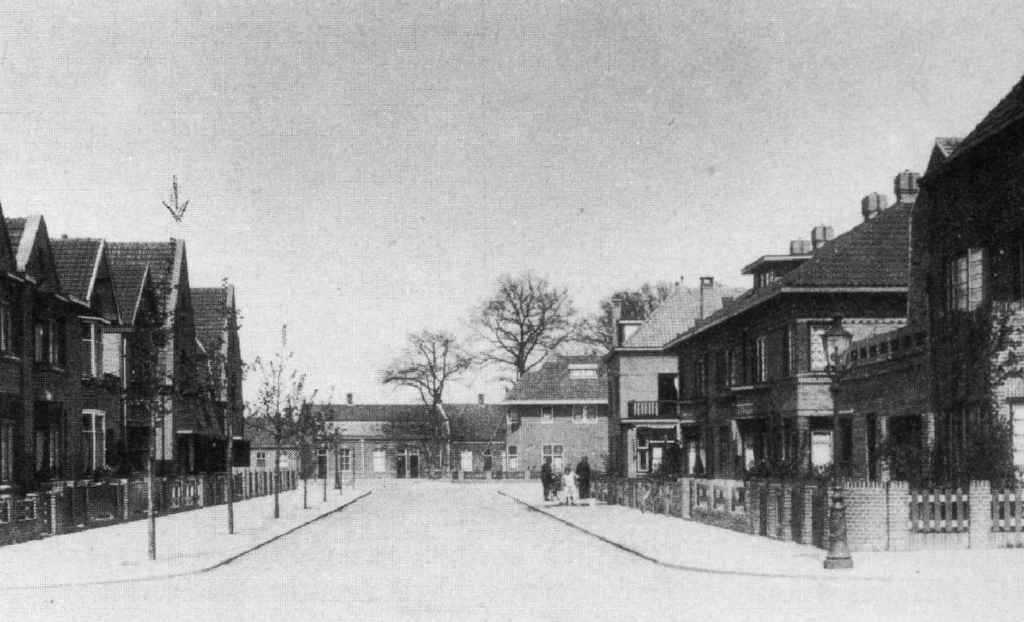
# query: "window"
[[579, 413], [261, 459], [92, 350], [735, 366], [821, 448], [760, 363], [40, 342], [700, 378], [113, 345], [6, 451], [379, 466], [466, 461], [283, 461], [94, 439], [49, 344], [817, 346], [553, 455], [345, 458], [512, 452], [787, 349], [6, 328], [966, 280], [54, 343], [584, 371], [547, 414]]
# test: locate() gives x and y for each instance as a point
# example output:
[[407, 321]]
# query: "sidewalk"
[[187, 542], [693, 546]]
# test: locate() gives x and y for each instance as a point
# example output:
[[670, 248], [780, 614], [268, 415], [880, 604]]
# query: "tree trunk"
[[277, 480], [150, 493], [230, 476]]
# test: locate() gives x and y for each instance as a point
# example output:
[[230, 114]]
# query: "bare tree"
[[598, 331], [431, 360], [281, 394], [524, 321]]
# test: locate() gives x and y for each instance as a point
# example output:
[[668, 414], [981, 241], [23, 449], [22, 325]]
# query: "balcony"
[[659, 409]]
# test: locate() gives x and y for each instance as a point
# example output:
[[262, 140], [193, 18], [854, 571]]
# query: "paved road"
[[429, 551]]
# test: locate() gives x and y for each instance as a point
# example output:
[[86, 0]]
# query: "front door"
[[414, 465], [400, 467], [321, 464]]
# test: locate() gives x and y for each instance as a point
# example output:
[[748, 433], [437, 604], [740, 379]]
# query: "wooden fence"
[[74, 505]]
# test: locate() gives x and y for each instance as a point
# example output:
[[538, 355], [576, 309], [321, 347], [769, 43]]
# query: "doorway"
[[400, 466]]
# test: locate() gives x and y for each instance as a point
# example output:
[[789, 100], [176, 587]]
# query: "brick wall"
[[578, 439]]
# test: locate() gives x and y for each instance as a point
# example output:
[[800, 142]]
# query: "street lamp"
[[837, 342]]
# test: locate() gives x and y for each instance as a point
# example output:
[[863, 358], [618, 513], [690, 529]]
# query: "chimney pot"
[[820, 235], [872, 204], [707, 281], [800, 247], [348, 398], [905, 187]]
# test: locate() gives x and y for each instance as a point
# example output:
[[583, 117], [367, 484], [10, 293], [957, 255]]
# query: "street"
[[433, 551]]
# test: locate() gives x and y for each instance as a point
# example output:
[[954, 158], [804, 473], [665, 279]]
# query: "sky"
[[363, 170]]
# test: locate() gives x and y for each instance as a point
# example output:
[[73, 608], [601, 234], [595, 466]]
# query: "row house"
[[80, 327], [558, 413], [644, 425], [376, 441], [752, 383]]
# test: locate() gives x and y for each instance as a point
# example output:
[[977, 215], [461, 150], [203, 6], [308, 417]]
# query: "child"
[[569, 486]]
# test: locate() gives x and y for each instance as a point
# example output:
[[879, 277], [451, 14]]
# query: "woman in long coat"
[[583, 473]]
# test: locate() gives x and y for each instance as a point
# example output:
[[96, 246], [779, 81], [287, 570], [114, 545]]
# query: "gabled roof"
[[1008, 111], [129, 281], [469, 422], [210, 311], [29, 238], [77, 262], [7, 261], [874, 255], [942, 151], [553, 383], [677, 314], [132, 262], [389, 413]]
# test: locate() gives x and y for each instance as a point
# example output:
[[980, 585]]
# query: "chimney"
[[727, 300], [800, 247], [705, 282], [348, 399], [480, 398], [874, 203], [820, 235], [616, 320], [905, 187]]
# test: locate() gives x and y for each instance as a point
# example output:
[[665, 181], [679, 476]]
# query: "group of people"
[[568, 487]]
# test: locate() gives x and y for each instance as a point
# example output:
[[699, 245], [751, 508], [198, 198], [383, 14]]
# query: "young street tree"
[[524, 321], [637, 304], [431, 360], [282, 392]]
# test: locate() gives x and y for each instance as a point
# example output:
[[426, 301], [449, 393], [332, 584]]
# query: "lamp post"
[[837, 342]]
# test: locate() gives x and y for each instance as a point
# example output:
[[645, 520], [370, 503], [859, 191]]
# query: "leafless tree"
[[524, 321], [597, 331], [281, 394], [430, 361]]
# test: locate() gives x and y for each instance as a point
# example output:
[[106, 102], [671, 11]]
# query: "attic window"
[[587, 371]]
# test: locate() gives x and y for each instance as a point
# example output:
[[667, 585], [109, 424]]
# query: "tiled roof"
[[127, 280], [76, 262], [378, 412], [552, 381], [1006, 112], [15, 229], [209, 310], [260, 433], [476, 422], [158, 255], [874, 254], [677, 314]]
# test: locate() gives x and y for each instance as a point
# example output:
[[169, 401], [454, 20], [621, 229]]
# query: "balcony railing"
[[661, 409]]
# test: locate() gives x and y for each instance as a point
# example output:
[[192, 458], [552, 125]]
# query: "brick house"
[[752, 385], [189, 440], [85, 276], [558, 413], [216, 319], [408, 441], [643, 421], [971, 228], [40, 392]]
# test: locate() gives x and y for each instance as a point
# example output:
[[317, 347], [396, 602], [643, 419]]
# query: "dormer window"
[[586, 371]]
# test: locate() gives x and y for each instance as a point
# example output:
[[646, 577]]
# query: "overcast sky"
[[363, 170]]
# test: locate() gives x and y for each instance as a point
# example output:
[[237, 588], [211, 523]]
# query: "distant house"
[[408, 440], [558, 413], [643, 378]]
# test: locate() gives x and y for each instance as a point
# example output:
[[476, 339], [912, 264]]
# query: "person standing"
[[546, 479], [569, 486], [583, 474]]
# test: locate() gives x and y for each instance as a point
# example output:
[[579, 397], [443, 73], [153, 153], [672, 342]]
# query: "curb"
[[195, 571], [697, 569]]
